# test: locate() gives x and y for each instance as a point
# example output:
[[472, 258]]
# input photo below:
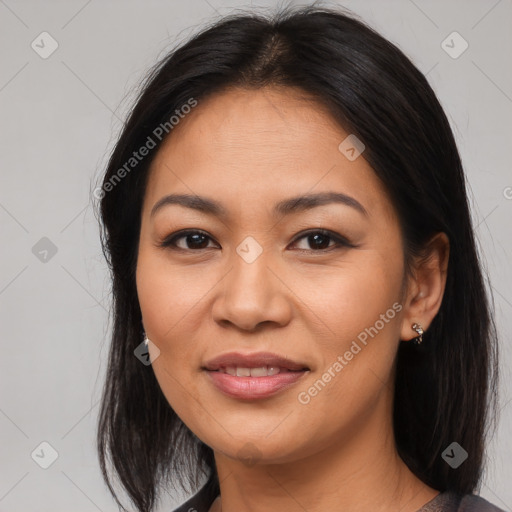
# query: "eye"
[[319, 240], [198, 240]]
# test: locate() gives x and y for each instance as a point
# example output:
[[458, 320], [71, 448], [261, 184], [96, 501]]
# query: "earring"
[[146, 340], [419, 330]]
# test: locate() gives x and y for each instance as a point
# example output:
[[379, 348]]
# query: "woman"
[[300, 313]]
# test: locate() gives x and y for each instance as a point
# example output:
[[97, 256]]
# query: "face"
[[316, 283]]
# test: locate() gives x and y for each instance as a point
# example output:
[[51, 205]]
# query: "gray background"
[[60, 118]]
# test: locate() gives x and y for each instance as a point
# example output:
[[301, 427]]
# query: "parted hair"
[[445, 389]]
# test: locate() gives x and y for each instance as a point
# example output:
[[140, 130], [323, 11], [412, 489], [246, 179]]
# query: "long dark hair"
[[446, 387]]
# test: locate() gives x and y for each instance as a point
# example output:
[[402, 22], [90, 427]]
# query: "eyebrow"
[[285, 207]]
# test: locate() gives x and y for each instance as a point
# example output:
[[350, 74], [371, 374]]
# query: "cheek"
[[168, 294], [172, 302], [359, 307], [168, 309], [351, 297]]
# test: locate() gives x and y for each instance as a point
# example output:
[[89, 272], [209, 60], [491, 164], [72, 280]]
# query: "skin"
[[250, 150]]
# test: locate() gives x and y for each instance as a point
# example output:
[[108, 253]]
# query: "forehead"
[[249, 147], [273, 123]]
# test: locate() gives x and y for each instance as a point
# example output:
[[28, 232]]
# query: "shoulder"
[[202, 500], [191, 505], [194, 504], [474, 503]]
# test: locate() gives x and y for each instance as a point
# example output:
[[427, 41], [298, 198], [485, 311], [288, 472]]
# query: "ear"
[[426, 289]]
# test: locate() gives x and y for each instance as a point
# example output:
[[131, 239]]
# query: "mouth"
[[258, 361], [261, 371], [253, 376]]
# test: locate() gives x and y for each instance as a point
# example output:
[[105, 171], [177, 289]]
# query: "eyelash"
[[340, 242]]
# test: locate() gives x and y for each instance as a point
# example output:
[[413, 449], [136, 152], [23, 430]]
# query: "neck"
[[360, 472]]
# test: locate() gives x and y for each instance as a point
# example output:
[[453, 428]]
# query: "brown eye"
[[319, 240], [193, 240]]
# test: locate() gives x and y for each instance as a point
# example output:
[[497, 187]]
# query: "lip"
[[254, 360], [253, 388]]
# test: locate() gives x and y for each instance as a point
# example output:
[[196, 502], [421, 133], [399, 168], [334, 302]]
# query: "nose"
[[252, 295]]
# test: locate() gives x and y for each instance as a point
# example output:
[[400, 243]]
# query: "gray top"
[[452, 502], [444, 502]]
